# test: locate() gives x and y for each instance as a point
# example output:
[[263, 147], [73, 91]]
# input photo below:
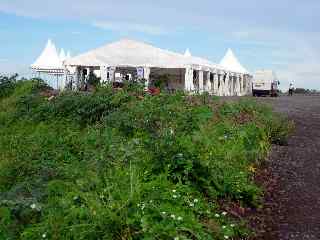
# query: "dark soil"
[[291, 176]]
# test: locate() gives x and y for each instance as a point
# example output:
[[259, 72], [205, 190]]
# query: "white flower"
[[223, 227], [191, 204], [174, 196], [180, 218], [44, 235], [173, 216], [196, 200], [171, 131], [33, 206], [174, 190], [226, 237], [217, 215], [176, 238], [164, 213], [232, 225], [224, 213]]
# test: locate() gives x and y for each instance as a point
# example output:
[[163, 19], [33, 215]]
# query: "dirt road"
[[292, 207]]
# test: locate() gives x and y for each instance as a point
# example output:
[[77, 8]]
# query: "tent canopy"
[[231, 63], [187, 53], [62, 55], [130, 53], [49, 59]]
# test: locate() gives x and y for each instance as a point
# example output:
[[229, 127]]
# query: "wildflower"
[[33, 206], [163, 213], [217, 215], [174, 196], [208, 212], [176, 238], [232, 225], [224, 213], [171, 131], [180, 218], [191, 204], [252, 169], [173, 216], [196, 200], [226, 237], [44, 235], [223, 227], [174, 190]]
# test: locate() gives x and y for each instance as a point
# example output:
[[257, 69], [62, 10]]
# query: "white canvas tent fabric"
[[187, 53], [68, 55], [230, 62], [62, 55], [48, 61], [130, 53]]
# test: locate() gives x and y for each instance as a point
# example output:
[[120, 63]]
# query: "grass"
[[125, 165]]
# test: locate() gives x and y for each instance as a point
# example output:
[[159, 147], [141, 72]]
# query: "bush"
[[7, 85], [125, 165]]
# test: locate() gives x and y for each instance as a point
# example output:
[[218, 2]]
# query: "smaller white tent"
[[62, 55], [231, 63], [68, 55], [48, 61], [187, 53]]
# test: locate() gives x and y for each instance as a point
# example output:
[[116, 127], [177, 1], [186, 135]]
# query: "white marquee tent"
[[187, 53], [48, 61], [231, 62], [51, 64], [193, 73], [62, 55]]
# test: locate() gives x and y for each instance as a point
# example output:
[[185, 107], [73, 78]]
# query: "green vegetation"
[[126, 165]]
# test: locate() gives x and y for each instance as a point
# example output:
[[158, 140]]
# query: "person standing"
[[291, 88]]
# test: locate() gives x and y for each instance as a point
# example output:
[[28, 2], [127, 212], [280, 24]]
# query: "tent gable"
[[230, 61]]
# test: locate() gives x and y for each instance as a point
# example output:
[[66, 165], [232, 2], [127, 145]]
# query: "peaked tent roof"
[[68, 55], [62, 55], [187, 53], [231, 63], [130, 53], [49, 59]]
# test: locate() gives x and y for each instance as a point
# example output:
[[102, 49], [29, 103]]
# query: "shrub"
[[126, 165], [7, 85]]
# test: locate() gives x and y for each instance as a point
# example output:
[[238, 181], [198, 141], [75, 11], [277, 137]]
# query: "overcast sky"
[[282, 35]]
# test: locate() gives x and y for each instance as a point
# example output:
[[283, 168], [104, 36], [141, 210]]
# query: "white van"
[[265, 83]]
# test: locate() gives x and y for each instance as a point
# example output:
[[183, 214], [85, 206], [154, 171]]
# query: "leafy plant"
[[126, 165]]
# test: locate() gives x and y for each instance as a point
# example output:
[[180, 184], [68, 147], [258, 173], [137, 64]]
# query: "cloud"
[[130, 27]]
